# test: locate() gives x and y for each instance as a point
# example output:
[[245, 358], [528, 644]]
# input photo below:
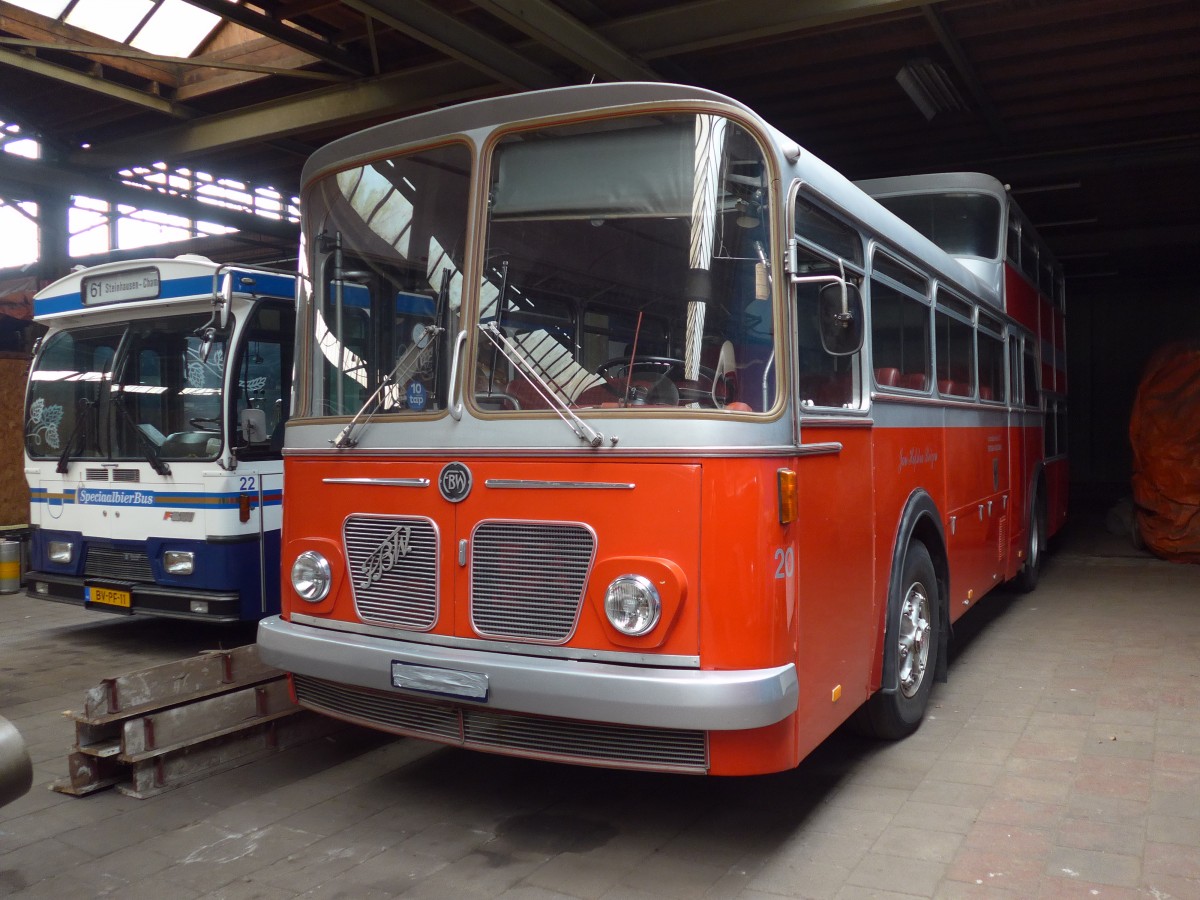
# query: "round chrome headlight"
[[311, 576], [632, 604]]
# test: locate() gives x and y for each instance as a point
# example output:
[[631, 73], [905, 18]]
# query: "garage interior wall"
[[1114, 325]]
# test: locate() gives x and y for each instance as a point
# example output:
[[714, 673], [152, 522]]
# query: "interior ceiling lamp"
[[930, 88]]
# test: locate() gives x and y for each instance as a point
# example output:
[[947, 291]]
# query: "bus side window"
[[991, 367], [264, 372], [955, 346], [824, 380], [1033, 394], [899, 338]]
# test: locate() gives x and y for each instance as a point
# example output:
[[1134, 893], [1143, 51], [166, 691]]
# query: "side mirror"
[[253, 425], [226, 301], [840, 307], [207, 336]]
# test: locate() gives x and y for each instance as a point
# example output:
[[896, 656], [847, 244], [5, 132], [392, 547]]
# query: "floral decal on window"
[[202, 373], [43, 422]]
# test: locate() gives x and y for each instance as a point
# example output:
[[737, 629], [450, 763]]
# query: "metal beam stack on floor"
[[1062, 759], [159, 728]]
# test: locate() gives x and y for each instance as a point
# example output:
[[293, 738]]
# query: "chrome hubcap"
[[915, 634]]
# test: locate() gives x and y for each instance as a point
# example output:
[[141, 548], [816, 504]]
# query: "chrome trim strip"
[[554, 652], [651, 696], [538, 453], [381, 482], [828, 448], [529, 484], [439, 454]]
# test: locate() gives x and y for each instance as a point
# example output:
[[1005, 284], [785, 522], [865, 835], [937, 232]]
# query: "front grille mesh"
[[106, 474], [516, 734], [393, 570], [527, 578], [118, 565]]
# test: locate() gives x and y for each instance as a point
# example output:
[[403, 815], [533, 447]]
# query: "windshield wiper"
[[539, 383], [78, 435], [150, 449], [405, 366]]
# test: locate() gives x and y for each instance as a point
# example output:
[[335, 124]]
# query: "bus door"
[[1018, 457], [997, 422], [257, 406], [835, 561], [973, 456]]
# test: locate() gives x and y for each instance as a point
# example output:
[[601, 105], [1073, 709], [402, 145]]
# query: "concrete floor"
[[1062, 759]]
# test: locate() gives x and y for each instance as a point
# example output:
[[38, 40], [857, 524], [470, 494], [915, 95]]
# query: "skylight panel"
[[176, 29], [51, 8], [113, 19]]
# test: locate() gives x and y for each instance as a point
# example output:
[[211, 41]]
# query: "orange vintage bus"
[[628, 433]]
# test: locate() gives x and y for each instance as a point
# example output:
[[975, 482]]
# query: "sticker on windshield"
[[416, 396]]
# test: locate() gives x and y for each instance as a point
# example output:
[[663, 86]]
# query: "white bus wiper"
[[538, 382], [405, 366], [149, 449], [79, 436]]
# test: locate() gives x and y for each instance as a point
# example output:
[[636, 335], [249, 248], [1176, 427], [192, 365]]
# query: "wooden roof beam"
[[557, 29], [447, 34], [324, 50]]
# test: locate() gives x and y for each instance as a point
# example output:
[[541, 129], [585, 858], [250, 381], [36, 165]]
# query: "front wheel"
[[915, 610]]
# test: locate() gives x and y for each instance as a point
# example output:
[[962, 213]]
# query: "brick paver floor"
[[1062, 759]]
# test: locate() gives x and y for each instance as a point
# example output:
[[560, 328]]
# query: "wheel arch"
[[920, 520]]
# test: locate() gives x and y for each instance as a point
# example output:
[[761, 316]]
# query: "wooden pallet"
[[169, 725]]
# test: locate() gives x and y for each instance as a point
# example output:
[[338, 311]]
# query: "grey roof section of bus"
[[499, 110]]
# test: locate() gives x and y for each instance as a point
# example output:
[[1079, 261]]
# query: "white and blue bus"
[[153, 433]]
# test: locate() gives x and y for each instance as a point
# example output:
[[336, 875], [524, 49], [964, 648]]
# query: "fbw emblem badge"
[[455, 482]]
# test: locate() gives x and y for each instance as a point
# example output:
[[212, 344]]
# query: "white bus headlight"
[[60, 551], [179, 562], [310, 576], [632, 604]]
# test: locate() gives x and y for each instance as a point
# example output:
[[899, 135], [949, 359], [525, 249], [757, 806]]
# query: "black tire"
[[1035, 548], [915, 606]]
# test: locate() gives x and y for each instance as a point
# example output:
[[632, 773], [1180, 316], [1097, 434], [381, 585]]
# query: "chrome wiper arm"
[[79, 435], [537, 380], [405, 366]]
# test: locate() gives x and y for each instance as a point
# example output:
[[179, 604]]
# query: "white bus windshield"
[[129, 390]]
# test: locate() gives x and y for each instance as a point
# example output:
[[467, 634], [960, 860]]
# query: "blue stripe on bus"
[[198, 286], [151, 499]]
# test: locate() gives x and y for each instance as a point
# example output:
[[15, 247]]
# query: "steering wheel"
[[651, 379]]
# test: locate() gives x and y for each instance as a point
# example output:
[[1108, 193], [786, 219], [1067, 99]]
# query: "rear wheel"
[[1027, 579], [915, 609]]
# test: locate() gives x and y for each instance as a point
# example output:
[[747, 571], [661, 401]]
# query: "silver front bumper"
[[589, 691]]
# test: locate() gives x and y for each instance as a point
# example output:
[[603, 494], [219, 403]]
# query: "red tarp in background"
[[1164, 429]]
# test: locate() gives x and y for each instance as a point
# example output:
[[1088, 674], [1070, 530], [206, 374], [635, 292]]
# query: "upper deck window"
[[961, 223]]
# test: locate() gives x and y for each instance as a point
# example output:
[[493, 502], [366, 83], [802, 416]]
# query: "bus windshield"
[[625, 265], [140, 390]]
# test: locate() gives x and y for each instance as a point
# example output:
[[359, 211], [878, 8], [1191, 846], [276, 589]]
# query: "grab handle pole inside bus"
[[456, 405]]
